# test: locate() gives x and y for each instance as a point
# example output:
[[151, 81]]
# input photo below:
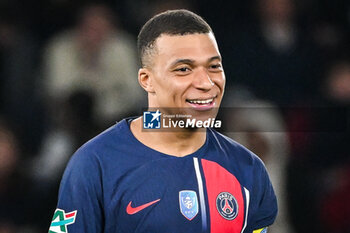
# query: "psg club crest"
[[188, 203], [227, 206], [151, 120]]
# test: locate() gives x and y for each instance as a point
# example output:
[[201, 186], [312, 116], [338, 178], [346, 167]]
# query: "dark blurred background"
[[68, 70]]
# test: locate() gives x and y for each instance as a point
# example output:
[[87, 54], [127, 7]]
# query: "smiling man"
[[129, 179]]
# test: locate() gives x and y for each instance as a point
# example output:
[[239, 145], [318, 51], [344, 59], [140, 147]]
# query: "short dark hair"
[[171, 22]]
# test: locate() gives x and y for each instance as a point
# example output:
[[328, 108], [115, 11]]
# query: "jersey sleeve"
[[264, 201], [79, 207]]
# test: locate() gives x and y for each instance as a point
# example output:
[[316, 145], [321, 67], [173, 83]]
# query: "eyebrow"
[[190, 61], [182, 61], [215, 58]]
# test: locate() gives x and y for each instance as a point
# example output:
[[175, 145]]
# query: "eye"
[[217, 67], [182, 69]]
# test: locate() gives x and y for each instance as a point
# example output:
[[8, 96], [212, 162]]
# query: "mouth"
[[202, 104]]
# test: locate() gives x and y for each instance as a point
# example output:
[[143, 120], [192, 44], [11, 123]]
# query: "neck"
[[179, 143]]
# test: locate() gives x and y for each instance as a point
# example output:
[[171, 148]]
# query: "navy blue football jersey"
[[115, 184]]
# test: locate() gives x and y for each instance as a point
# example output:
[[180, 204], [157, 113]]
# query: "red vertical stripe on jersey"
[[218, 180]]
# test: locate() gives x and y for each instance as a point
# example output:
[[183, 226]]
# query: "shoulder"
[[225, 141], [93, 154], [102, 155], [106, 139], [235, 149], [248, 168]]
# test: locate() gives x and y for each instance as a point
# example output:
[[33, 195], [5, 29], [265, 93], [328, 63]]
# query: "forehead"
[[193, 46]]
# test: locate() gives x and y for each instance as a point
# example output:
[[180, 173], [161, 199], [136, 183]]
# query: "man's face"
[[187, 74]]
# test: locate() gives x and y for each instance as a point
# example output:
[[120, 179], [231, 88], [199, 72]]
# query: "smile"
[[207, 101], [202, 104]]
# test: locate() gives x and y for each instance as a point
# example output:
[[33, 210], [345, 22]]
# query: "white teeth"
[[201, 101]]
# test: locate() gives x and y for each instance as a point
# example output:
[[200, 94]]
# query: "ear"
[[145, 79]]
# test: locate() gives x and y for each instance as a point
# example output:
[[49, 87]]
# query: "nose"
[[202, 80]]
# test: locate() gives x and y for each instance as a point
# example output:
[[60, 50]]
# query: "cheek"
[[164, 91], [174, 85], [220, 81], [223, 79]]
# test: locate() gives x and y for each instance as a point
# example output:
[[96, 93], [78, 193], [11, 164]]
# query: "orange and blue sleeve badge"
[[261, 230], [60, 221]]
